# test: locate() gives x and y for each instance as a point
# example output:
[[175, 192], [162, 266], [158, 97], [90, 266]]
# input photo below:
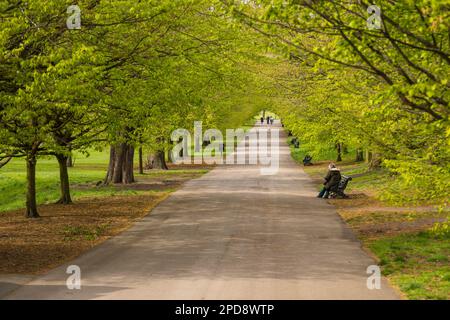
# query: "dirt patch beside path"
[[33, 246]]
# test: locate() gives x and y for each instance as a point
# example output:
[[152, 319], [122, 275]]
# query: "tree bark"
[[69, 161], [375, 161], [168, 157], [339, 152], [118, 164], [32, 211], [141, 164], [109, 173], [359, 155], [159, 161], [149, 161], [127, 167], [64, 180], [368, 156], [120, 169]]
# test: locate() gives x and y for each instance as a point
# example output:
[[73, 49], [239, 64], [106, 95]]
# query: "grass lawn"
[[84, 176], [417, 263], [33, 246], [412, 253]]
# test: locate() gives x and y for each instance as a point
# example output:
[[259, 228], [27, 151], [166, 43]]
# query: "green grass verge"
[[417, 263], [13, 180], [83, 177]]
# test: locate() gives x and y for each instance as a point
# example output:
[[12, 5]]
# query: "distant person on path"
[[262, 120], [332, 180], [271, 120], [268, 119]]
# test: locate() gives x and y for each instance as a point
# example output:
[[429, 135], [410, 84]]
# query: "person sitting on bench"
[[332, 180], [307, 160]]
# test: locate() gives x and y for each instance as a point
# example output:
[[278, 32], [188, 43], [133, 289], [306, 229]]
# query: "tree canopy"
[[384, 89], [136, 70]]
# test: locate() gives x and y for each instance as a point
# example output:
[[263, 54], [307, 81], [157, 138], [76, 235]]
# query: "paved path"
[[232, 234]]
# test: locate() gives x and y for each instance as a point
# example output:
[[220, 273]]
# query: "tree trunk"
[[344, 148], [118, 164], [168, 157], [339, 152], [32, 211], [120, 169], [159, 161], [359, 155], [110, 172], [69, 161], [375, 161], [64, 180], [141, 164], [127, 167], [149, 161], [368, 156]]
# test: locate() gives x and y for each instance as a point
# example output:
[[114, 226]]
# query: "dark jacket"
[[332, 179]]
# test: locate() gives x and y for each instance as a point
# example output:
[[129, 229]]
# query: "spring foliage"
[[385, 90]]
